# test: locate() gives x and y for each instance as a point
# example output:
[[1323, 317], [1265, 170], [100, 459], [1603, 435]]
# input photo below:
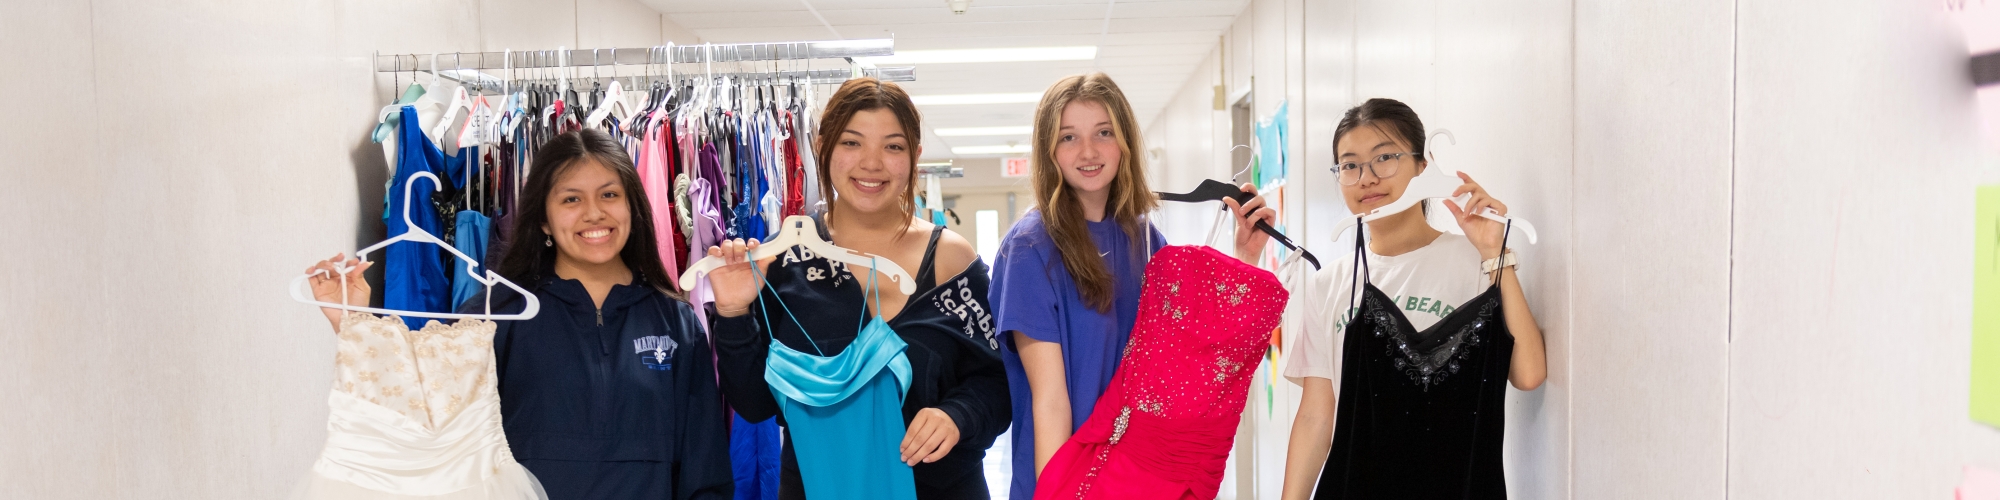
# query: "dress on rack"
[[1163, 428], [414, 273], [1421, 413], [416, 415]]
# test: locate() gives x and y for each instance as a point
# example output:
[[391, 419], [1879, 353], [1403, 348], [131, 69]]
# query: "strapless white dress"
[[416, 415]]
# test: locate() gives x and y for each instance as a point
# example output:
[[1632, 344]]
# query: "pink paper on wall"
[[1979, 484]]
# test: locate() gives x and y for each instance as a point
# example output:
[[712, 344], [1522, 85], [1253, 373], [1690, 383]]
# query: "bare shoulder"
[[954, 254]]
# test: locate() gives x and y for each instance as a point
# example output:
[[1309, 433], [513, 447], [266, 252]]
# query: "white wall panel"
[[1651, 285], [1856, 157], [1502, 85], [52, 280], [200, 155]]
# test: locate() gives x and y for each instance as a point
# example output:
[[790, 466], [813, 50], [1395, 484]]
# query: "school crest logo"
[[656, 352]]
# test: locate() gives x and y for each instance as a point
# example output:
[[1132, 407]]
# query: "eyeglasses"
[[1383, 166]]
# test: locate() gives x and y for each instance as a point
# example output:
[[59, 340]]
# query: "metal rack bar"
[[480, 80], [664, 54]]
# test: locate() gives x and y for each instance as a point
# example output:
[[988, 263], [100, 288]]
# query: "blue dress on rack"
[[413, 275], [846, 411]]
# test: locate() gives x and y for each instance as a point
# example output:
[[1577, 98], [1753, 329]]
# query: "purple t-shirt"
[[1032, 293]]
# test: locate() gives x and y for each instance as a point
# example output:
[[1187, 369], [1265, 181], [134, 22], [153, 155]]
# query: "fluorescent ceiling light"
[[990, 150], [984, 131], [1016, 98], [1017, 54]]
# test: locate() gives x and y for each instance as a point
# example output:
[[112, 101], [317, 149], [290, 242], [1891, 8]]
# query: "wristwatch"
[[1494, 264]]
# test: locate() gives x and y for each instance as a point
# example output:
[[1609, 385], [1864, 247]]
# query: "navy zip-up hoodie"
[[617, 402]]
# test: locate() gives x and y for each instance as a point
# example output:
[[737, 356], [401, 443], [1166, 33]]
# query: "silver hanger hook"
[[1246, 166]]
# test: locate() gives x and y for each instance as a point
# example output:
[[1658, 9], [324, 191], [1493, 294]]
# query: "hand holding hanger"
[[1486, 234], [344, 272], [328, 277], [1250, 242], [735, 283], [1435, 182], [1213, 190], [795, 231]]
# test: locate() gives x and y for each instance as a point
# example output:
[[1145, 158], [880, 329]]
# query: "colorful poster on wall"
[[1986, 308], [1273, 140]]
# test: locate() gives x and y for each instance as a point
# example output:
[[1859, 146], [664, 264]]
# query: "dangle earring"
[[548, 241]]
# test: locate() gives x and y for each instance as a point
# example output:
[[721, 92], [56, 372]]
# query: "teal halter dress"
[[845, 411]]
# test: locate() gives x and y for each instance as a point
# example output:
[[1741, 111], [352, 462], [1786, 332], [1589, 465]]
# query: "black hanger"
[[1213, 190]]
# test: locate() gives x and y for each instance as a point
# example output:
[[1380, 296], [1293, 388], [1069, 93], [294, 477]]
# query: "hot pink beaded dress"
[[1164, 427]]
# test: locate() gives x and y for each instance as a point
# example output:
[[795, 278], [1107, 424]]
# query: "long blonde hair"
[[1062, 211]]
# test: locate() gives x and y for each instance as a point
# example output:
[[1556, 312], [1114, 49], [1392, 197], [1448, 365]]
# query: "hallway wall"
[[1755, 218], [168, 176]]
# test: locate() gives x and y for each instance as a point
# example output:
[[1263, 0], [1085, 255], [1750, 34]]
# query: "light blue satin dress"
[[846, 411]]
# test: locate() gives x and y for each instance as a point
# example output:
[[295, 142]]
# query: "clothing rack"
[[478, 80], [663, 54]]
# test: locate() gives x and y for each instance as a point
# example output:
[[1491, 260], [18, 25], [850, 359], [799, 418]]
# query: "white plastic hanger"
[[478, 123], [302, 293], [459, 102], [614, 102], [801, 231], [1435, 182], [614, 97], [425, 106], [428, 101]]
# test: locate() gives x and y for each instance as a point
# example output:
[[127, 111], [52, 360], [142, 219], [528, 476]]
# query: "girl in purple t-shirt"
[[1067, 277]]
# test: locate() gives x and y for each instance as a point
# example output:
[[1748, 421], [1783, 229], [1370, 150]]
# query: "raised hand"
[[1250, 241], [326, 285], [735, 283], [1485, 234]]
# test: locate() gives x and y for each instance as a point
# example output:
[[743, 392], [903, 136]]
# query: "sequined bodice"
[[428, 375], [1205, 320]]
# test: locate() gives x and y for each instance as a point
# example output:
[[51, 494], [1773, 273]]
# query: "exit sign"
[[1014, 167]]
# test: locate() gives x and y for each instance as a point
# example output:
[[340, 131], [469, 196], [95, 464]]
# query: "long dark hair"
[[855, 96], [527, 259]]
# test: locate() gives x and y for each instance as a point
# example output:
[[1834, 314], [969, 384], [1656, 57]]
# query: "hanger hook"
[[1432, 153], [1246, 166], [396, 77]]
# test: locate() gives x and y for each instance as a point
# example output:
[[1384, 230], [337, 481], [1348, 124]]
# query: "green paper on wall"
[[1986, 308]]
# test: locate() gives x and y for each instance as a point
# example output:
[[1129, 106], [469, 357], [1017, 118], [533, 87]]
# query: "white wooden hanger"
[[302, 293], [1435, 182], [801, 231]]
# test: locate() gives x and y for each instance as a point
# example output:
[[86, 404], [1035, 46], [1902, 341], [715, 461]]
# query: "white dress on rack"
[[416, 415]]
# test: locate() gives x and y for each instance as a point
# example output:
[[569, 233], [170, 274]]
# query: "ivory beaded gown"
[[416, 415]]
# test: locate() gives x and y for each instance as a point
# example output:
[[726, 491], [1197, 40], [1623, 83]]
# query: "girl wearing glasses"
[[1417, 341]]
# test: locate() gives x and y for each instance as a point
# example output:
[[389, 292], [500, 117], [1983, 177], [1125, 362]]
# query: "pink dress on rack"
[[654, 176], [1164, 427]]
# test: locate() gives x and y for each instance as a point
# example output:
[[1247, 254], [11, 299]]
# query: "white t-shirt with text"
[[1426, 284]]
